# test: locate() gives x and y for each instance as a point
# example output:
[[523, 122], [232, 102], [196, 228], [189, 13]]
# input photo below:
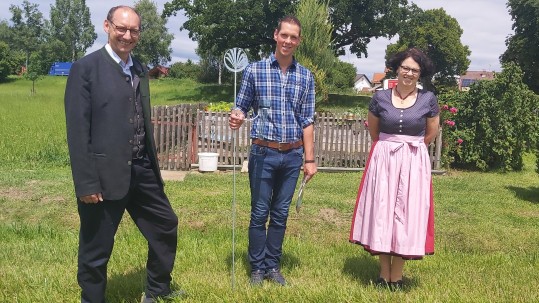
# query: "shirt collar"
[[273, 61], [118, 59]]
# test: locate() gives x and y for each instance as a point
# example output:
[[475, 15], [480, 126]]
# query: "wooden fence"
[[183, 131]]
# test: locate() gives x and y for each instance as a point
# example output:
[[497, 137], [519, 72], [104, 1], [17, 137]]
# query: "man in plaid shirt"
[[281, 93]]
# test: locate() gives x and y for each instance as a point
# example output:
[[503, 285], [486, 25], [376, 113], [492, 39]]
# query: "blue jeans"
[[273, 176]]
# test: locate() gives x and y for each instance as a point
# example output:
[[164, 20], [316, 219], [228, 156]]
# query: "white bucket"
[[207, 161]]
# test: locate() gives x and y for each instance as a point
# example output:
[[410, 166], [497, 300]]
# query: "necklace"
[[400, 96]]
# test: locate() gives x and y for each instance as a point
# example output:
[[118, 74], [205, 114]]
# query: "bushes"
[[4, 61], [182, 70], [497, 121], [451, 137]]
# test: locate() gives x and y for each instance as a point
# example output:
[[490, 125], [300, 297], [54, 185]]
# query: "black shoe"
[[257, 277], [173, 295], [275, 275], [397, 285], [381, 282]]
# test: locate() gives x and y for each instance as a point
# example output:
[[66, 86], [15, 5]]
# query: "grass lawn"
[[487, 229]]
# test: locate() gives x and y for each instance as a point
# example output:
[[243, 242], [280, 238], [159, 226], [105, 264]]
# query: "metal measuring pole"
[[235, 60]]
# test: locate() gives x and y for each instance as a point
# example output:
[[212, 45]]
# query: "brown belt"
[[277, 145]]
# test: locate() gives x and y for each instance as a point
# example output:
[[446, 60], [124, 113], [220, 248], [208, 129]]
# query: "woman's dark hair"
[[425, 64]]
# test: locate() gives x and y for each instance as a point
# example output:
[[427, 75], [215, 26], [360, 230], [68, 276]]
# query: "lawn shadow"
[[288, 261], [10, 80], [126, 285], [530, 194], [365, 269], [362, 267], [205, 94]]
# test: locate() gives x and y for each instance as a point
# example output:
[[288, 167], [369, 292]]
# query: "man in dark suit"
[[114, 162]]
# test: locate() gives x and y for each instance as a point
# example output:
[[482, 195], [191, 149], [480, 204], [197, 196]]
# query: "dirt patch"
[[15, 193], [53, 199], [173, 175], [331, 215], [198, 225]]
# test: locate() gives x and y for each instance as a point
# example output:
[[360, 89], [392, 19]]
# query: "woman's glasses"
[[406, 69]]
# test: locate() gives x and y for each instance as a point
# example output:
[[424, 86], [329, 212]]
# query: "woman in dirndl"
[[394, 213]]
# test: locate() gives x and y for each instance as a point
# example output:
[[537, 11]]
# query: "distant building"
[[377, 80], [362, 83], [22, 70], [158, 71], [472, 76]]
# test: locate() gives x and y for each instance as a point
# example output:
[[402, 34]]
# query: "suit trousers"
[[152, 213]]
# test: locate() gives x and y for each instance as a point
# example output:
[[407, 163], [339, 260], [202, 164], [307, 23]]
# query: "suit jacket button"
[[128, 162]]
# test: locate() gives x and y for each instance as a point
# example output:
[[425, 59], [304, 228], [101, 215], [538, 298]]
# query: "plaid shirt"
[[283, 104]]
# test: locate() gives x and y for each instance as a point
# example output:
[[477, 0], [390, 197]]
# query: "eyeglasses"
[[407, 69], [123, 30]]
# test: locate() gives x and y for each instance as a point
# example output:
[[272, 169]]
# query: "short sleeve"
[[434, 108], [374, 107]]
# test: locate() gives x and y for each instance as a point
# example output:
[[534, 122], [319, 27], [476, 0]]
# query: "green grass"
[[487, 229], [171, 91]]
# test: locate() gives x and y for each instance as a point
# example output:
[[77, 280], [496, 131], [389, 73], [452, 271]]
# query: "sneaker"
[[173, 295], [275, 275], [257, 277]]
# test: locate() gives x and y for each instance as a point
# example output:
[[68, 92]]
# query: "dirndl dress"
[[394, 212]]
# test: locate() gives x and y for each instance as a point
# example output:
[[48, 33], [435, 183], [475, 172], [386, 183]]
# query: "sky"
[[485, 24]]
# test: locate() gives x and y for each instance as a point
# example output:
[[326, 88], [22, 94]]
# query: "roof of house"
[[157, 70], [378, 77], [360, 76], [478, 75]]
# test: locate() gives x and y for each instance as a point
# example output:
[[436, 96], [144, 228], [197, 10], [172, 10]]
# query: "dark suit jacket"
[[99, 117]]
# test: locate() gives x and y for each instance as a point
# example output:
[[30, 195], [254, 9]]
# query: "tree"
[[71, 23], [315, 50], [32, 73], [154, 44], [27, 26], [6, 34], [342, 75], [211, 70], [356, 22], [46, 55], [438, 35], [11, 59], [5, 65], [522, 47], [219, 25]]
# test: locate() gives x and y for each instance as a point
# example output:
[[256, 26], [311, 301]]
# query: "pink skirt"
[[394, 212]]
